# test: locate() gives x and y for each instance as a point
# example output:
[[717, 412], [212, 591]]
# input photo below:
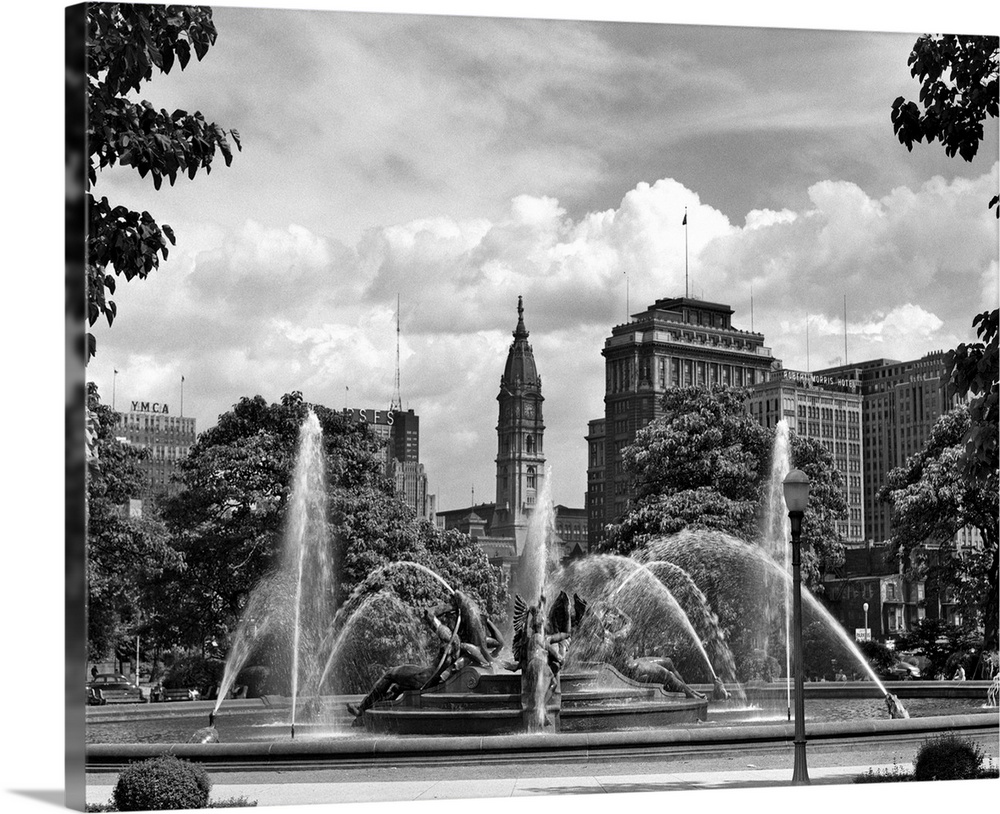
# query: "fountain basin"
[[478, 702]]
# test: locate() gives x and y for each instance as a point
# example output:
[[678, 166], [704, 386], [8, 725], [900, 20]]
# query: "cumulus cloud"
[[269, 310]]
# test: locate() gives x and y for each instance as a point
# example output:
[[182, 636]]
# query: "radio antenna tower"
[[397, 399]]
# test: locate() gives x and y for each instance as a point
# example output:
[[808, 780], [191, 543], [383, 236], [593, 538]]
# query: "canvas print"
[[479, 407]]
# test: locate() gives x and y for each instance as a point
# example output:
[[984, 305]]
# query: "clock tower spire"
[[520, 452]]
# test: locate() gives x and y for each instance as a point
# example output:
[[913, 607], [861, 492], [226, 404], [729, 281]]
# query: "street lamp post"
[[865, 606], [796, 487]]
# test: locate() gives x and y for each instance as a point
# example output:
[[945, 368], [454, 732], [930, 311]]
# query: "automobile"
[[904, 671], [113, 688], [176, 694]]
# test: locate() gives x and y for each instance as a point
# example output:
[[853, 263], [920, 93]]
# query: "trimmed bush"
[[948, 758], [161, 783]]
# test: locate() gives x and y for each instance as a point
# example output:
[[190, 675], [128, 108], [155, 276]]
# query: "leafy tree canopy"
[[974, 370], [822, 544], [932, 499], [958, 92], [937, 640], [705, 464], [125, 42], [229, 520], [701, 465]]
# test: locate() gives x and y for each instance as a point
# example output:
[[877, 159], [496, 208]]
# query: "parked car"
[[114, 688], [904, 671], [177, 694]]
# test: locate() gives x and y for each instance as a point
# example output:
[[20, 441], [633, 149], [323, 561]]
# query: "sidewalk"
[[286, 792]]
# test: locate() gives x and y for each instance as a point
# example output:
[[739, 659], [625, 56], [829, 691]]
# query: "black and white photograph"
[[498, 403]]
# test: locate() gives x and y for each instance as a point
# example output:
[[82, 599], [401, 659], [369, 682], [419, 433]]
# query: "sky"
[[459, 162]]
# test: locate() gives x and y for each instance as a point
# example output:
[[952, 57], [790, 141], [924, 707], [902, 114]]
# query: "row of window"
[[623, 375]]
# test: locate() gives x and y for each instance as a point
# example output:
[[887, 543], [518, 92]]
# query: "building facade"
[[675, 342], [399, 430], [829, 411], [168, 437], [900, 403], [896, 602]]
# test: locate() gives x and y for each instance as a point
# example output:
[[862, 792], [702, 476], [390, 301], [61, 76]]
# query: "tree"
[[937, 640], [932, 499], [959, 91], [700, 465], [229, 521], [124, 554], [975, 369], [704, 465], [822, 544], [124, 43]]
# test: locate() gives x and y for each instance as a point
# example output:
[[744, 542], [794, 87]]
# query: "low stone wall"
[[365, 750]]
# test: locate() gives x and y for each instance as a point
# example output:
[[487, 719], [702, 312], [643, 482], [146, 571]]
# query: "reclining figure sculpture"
[[465, 636]]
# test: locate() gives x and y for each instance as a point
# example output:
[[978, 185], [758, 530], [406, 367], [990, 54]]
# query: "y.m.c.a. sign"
[[150, 407]]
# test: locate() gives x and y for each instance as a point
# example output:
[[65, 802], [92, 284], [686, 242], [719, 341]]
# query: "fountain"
[[668, 611], [296, 600]]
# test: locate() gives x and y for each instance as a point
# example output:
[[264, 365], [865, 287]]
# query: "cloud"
[[270, 310]]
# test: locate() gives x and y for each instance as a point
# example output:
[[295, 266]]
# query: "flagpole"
[[114, 382], [182, 397], [808, 369], [845, 329], [685, 252]]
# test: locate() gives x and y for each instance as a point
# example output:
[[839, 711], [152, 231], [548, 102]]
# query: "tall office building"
[[900, 402], [403, 464], [829, 411], [676, 342], [168, 437], [399, 430]]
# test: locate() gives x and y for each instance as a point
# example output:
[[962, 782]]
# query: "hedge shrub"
[[161, 783], [948, 757]]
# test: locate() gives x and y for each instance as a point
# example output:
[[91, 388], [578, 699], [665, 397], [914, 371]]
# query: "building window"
[[531, 477]]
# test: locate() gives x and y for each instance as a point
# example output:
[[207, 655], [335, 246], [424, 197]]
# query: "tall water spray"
[[777, 533], [539, 555], [307, 552], [295, 602]]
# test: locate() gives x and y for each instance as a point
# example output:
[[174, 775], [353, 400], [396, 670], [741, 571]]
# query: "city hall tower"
[[520, 428]]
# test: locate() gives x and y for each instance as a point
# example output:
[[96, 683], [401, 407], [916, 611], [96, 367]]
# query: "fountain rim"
[[110, 757]]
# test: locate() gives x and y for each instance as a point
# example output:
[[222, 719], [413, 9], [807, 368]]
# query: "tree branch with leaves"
[[125, 42]]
